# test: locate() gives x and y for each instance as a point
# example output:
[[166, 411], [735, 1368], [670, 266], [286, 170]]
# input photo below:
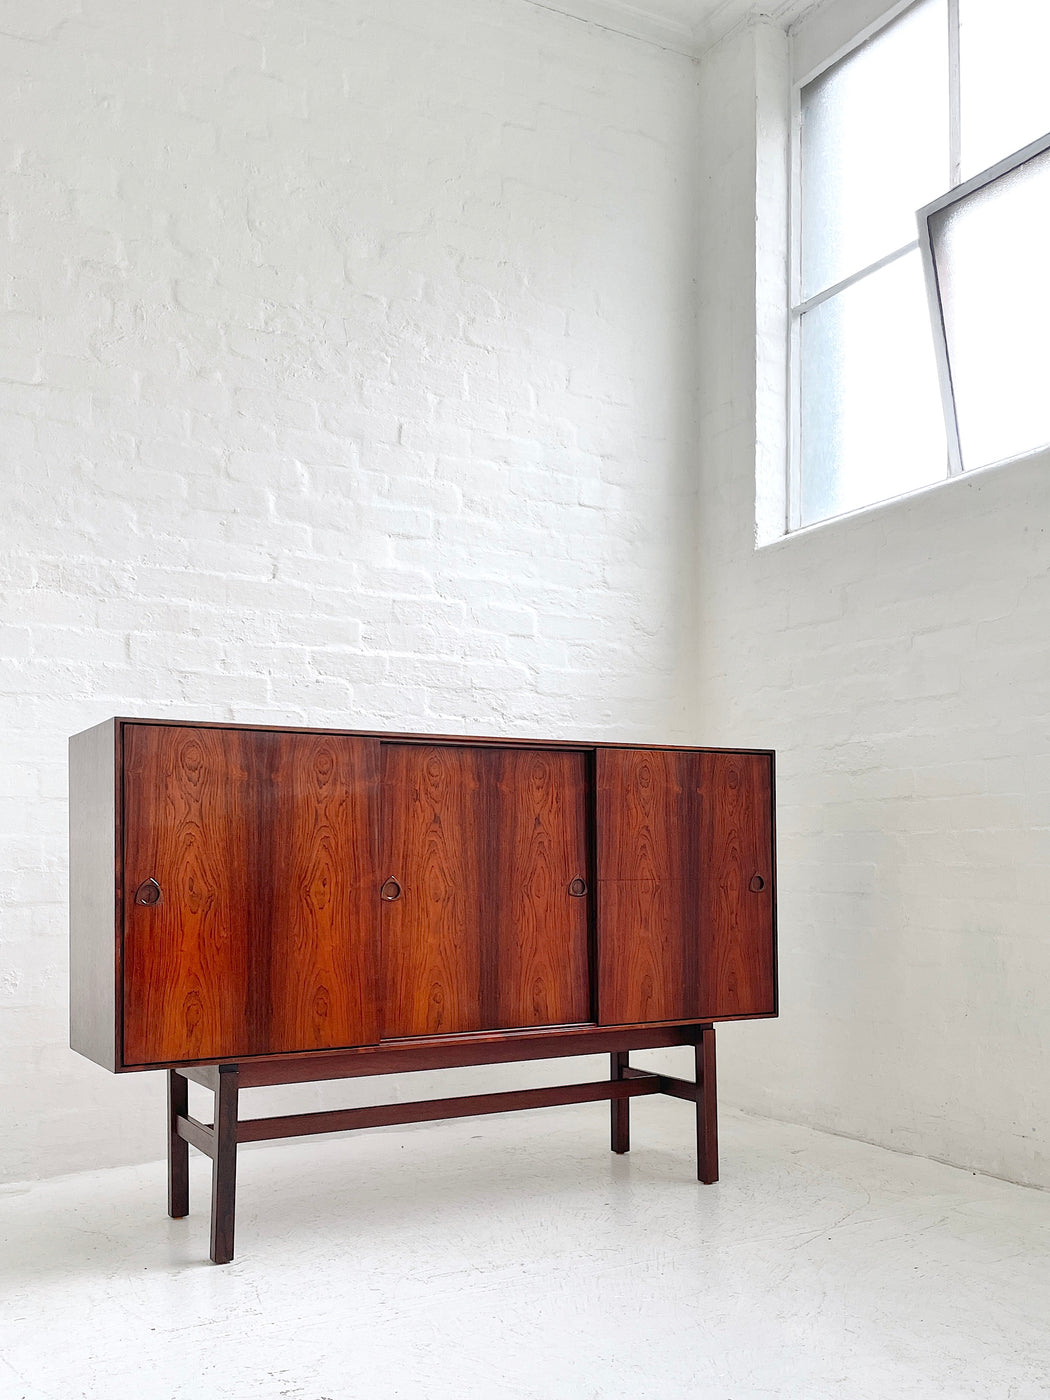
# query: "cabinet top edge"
[[394, 736]]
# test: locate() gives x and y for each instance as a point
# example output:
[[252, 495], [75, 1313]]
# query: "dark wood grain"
[[224, 1166], [706, 1107], [199, 1074], [392, 737], [178, 1151], [731, 962], [95, 894], [541, 968], [738, 955], [196, 1134], [644, 931], [679, 837], [648, 854], [435, 838], [323, 917], [679, 1088], [484, 844], [255, 943], [265, 936], [620, 1109], [648, 809], [186, 805], [220, 1139], [452, 1052], [340, 1120]]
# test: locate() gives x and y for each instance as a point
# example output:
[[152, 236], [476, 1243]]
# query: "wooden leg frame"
[[219, 1138]]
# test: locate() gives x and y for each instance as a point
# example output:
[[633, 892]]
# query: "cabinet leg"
[[178, 1148], [224, 1164], [620, 1108], [706, 1107]]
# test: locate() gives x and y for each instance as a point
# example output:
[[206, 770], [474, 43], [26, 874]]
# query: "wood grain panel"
[[434, 829], [321, 904], [738, 973], [186, 957], [680, 932], [264, 939], [542, 975], [643, 930], [648, 810], [648, 858], [485, 935]]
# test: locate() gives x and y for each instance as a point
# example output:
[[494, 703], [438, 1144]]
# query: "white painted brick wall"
[[897, 661], [347, 376]]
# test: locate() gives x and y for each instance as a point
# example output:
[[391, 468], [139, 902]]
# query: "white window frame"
[[798, 305], [957, 195]]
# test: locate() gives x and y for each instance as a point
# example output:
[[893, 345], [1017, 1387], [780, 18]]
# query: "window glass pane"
[[874, 146], [993, 274], [872, 425], [1004, 92]]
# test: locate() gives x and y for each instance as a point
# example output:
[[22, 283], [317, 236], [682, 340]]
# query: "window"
[[985, 246], [941, 90]]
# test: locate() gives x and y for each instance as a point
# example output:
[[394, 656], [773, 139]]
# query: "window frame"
[[958, 194], [797, 304]]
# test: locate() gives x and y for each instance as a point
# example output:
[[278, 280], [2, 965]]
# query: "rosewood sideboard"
[[255, 905]]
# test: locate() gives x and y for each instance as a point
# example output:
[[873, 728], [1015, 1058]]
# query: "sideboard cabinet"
[[253, 904]]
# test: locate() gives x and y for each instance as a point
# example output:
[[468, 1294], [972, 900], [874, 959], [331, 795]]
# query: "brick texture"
[[347, 376]]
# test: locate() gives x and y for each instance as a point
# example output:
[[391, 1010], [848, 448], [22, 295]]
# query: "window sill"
[[974, 474]]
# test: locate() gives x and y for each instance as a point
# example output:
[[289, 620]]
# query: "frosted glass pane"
[[874, 146], [994, 277], [872, 425], [1004, 92]]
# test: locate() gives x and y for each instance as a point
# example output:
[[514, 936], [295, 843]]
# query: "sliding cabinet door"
[[685, 885], [737, 874], [483, 927], [648, 823], [250, 909]]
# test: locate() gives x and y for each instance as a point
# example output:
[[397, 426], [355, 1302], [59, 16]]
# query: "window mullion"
[[793, 493], [818, 298], [867, 350], [954, 97]]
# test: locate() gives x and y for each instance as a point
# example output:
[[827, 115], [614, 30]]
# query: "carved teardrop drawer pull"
[[391, 890], [578, 887], [756, 884]]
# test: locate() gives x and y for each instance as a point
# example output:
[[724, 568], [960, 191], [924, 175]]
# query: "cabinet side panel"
[[738, 976], [648, 854], [94, 878]]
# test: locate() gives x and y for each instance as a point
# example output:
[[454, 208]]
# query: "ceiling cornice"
[[622, 17], [639, 21]]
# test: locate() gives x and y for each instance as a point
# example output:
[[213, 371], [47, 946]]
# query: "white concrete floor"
[[516, 1257]]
